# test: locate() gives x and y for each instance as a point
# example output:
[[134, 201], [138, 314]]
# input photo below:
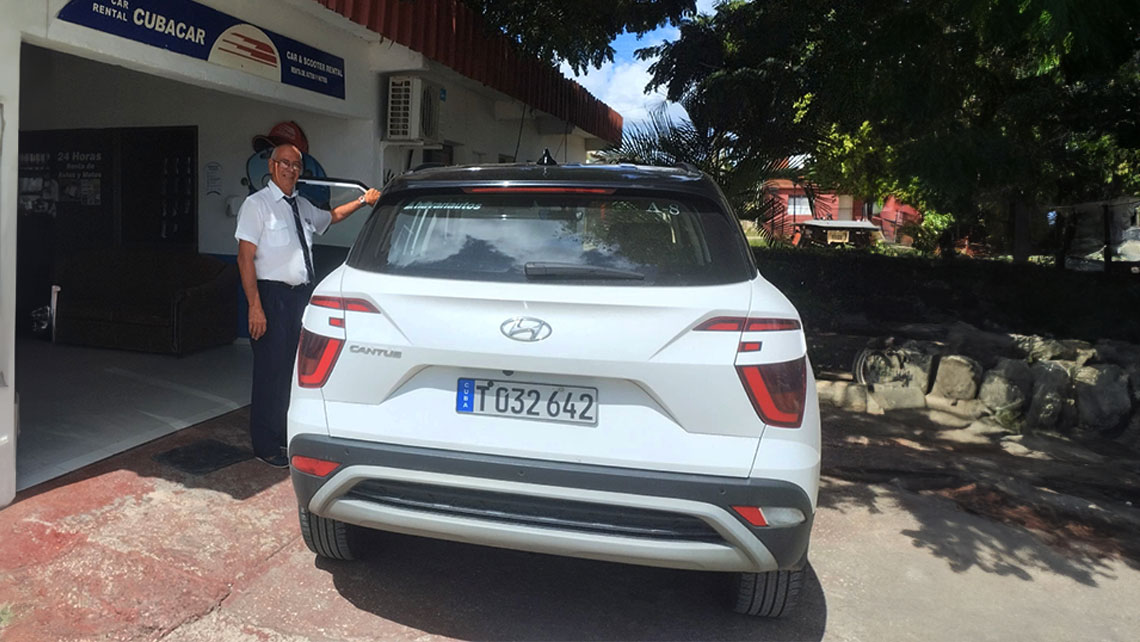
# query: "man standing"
[[275, 231]]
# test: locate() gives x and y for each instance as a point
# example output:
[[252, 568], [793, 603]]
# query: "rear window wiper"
[[543, 269]]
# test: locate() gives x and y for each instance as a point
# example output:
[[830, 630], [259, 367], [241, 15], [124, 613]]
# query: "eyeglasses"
[[293, 165]]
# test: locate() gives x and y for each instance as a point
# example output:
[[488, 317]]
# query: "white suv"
[[576, 360]]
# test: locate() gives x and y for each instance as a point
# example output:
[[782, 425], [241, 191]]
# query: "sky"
[[621, 84]]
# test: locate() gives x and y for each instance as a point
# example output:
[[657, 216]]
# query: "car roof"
[[685, 179]]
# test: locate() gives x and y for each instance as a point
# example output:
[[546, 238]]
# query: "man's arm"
[[246, 251], [342, 212]]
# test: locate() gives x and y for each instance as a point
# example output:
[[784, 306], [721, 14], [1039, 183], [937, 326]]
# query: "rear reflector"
[[752, 514], [774, 516], [318, 467], [777, 391], [342, 303], [316, 357]]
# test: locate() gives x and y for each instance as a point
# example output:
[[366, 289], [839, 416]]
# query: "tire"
[[326, 537], [772, 594]]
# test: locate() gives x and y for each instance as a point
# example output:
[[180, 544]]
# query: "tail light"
[[343, 303], [742, 324], [316, 357], [777, 391]]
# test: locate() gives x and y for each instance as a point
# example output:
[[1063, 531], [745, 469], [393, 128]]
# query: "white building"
[[109, 106]]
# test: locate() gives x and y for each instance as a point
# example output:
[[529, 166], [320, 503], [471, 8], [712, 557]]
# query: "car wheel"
[[770, 594], [325, 537]]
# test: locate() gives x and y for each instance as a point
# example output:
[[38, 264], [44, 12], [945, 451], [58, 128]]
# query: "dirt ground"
[[1072, 495]]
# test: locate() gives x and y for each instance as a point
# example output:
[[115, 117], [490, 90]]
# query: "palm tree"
[[743, 174]]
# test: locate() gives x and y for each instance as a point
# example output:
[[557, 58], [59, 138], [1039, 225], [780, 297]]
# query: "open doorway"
[[125, 329]]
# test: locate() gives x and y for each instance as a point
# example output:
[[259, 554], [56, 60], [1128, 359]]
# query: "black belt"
[[282, 284]]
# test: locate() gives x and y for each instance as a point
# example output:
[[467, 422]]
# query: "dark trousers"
[[273, 357]]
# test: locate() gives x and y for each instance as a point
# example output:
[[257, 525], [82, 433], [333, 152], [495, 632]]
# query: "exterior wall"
[[894, 215], [890, 217], [116, 97], [783, 223], [142, 85]]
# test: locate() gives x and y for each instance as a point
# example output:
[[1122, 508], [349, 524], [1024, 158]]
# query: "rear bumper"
[[595, 512]]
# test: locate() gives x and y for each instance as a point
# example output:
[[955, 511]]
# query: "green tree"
[[580, 32], [954, 105]]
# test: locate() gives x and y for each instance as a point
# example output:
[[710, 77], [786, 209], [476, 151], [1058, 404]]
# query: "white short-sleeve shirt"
[[266, 220]]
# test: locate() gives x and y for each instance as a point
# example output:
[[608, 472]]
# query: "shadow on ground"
[[186, 458], [479, 593], [874, 462]]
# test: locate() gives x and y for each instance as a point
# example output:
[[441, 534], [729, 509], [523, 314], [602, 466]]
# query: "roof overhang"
[[450, 33]]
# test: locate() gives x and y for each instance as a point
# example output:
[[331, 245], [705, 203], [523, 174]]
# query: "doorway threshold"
[[81, 405]]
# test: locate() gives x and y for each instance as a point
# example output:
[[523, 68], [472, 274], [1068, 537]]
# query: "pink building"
[[795, 207]]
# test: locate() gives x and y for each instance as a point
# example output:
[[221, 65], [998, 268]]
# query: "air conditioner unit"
[[413, 110]]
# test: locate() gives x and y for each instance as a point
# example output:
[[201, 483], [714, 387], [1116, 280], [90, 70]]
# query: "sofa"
[[170, 302]]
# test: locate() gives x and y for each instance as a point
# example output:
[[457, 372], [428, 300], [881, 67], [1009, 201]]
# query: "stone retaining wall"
[[1019, 382]]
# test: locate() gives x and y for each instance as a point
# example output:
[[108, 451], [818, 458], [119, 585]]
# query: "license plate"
[[526, 400], [837, 236]]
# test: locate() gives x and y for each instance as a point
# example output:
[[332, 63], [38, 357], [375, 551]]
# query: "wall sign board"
[[200, 32]]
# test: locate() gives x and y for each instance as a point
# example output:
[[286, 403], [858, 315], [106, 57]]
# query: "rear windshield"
[[563, 238]]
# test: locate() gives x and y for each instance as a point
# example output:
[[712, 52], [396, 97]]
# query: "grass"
[[5, 615]]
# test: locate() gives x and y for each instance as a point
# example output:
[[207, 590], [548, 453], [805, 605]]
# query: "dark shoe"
[[277, 461]]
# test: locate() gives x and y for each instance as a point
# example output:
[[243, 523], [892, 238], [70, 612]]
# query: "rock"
[[843, 394], [1007, 387], [958, 377], [1036, 348], [1103, 399], [897, 398], [1129, 250], [1049, 397], [1126, 356], [968, 409], [985, 347], [1079, 351], [919, 358]]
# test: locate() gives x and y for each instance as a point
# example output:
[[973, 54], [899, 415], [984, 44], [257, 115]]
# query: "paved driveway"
[[136, 549]]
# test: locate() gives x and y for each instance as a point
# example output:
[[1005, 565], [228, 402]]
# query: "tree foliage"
[[951, 104], [741, 172], [580, 32]]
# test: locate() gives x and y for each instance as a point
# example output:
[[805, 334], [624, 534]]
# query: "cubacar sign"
[[162, 24], [198, 31]]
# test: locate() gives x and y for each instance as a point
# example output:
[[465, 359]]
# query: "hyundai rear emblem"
[[525, 329]]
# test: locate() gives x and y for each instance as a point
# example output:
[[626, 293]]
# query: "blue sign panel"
[[198, 31], [465, 396]]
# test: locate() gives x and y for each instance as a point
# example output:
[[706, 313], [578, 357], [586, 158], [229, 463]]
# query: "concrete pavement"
[[133, 548]]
